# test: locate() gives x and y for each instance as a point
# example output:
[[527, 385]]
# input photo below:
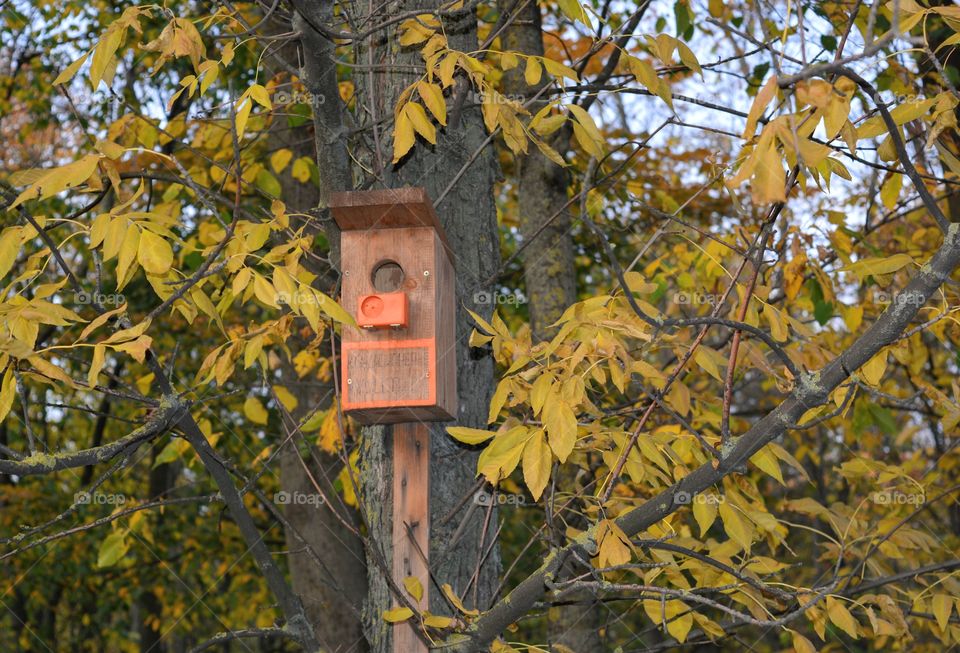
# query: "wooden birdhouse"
[[399, 363]]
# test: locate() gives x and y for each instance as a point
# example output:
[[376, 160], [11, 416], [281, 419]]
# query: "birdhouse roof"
[[389, 208]]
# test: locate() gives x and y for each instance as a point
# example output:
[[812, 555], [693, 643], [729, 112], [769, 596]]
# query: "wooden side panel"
[[446, 321], [411, 521]]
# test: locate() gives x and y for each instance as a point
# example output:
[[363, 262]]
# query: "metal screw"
[[346, 273], [349, 381], [426, 273]]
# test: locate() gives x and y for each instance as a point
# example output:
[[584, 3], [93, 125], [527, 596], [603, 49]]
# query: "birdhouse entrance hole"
[[388, 276]]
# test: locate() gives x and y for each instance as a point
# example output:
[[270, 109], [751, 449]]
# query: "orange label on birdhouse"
[[389, 374]]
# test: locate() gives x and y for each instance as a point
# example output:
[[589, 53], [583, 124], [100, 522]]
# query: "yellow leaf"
[[127, 334], [112, 549], [613, 545], [590, 128], [332, 309], [890, 190], [136, 348], [403, 136], [455, 600], [875, 266], [9, 249], [503, 455], [874, 368], [942, 606], [260, 96], [301, 169], [560, 422], [280, 159], [468, 435], [265, 291], [705, 512], [438, 621], [396, 615], [255, 411], [421, 124], [559, 70], [736, 525], [760, 103], [56, 180], [901, 114], [414, 30], [537, 461], [129, 250], [532, 71], [572, 10], [587, 143], [286, 398], [672, 614], [779, 327], [154, 253], [432, 96], [414, 588], [7, 393], [243, 114], [767, 462], [70, 71], [99, 357], [50, 371], [802, 645], [841, 617], [769, 179], [103, 54]]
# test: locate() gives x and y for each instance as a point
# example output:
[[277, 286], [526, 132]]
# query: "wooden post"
[[411, 522], [398, 365]]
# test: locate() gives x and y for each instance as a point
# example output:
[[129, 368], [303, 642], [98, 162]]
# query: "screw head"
[[426, 273], [349, 381]]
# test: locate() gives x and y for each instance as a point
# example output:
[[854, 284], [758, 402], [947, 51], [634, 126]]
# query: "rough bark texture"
[[548, 266]]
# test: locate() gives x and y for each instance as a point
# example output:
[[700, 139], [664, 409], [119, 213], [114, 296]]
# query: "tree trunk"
[[471, 563], [468, 214], [550, 280], [326, 559]]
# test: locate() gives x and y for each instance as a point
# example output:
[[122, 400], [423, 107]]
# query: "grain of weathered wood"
[[411, 521]]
